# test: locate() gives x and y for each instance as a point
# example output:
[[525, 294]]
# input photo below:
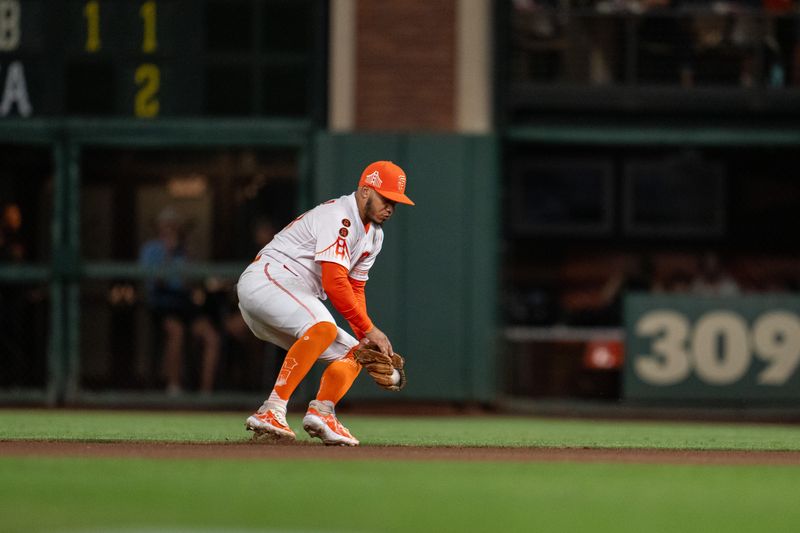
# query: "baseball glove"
[[381, 366]]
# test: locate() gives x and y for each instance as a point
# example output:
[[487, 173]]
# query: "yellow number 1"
[[92, 13], [148, 14]]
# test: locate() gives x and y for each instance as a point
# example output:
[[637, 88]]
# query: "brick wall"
[[405, 65]]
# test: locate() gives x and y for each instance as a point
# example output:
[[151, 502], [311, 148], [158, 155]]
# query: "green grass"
[[432, 431], [105, 494]]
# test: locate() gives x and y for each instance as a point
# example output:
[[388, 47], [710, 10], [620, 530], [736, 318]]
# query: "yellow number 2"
[[92, 13], [148, 79], [148, 14]]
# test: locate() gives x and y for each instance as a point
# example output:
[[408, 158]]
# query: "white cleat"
[[269, 425], [321, 422]]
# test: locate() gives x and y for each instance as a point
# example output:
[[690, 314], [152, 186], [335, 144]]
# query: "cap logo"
[[374, 179], [401, 183]]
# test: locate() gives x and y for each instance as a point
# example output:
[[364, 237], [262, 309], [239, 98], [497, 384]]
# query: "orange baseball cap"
[[387, 179]]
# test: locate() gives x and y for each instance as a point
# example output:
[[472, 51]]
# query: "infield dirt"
[[302, 450]]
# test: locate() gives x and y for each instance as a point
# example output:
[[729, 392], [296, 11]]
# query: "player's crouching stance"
[[326, 252]]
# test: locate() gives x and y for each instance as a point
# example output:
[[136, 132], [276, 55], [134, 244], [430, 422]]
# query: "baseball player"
[[326, 252]]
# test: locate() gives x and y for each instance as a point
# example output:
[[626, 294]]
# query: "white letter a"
[[16, 91]]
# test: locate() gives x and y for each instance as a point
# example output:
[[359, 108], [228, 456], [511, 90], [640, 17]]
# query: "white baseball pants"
[[279, 307]]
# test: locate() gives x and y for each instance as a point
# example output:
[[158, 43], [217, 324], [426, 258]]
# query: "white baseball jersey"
[[331, 232]]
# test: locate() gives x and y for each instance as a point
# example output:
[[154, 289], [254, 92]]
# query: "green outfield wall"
[[434, 287]]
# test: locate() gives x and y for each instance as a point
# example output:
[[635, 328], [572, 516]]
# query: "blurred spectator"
[[262, 232], [688, 273], [12, 249], [14, 303], [246, 354], [712, 279], [745, 36], [175, 308], [538, 29], [782, 43]]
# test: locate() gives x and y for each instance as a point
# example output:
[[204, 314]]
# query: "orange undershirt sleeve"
[[361, 300], [347, 296]]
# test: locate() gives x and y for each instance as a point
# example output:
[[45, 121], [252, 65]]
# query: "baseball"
[[395, 377]]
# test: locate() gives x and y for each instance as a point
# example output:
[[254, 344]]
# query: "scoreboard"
[[161, 58]]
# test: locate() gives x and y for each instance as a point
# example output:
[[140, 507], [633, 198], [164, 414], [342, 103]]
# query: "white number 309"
[[719, 347]]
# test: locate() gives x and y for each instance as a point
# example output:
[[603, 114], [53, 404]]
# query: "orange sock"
[[338, 378], [301, 357]]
